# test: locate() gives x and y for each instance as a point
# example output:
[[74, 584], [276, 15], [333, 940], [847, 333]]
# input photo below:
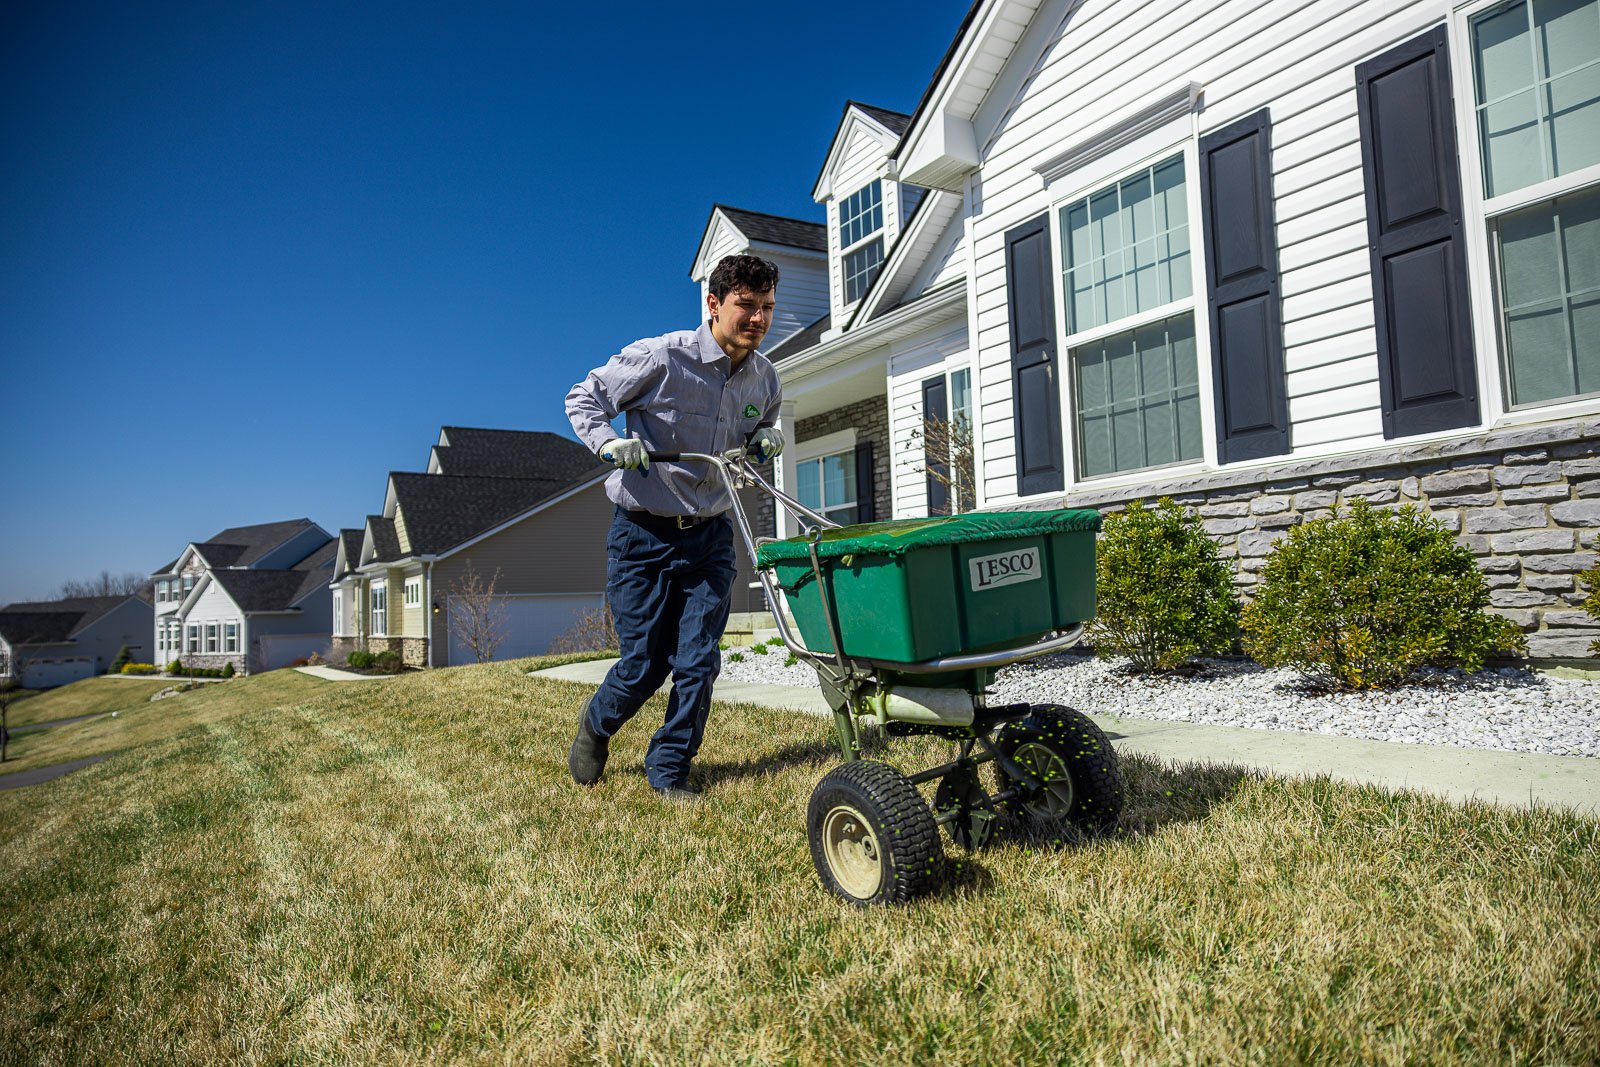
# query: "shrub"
[[1362, 599], [227, 669], [123, 658], [138, 668], [736, 657], [1589, 582], [175, 667], [1164, 594], [359, 660], [388, 661]]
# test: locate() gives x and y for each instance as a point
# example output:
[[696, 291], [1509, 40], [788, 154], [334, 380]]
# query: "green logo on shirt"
[[750, 411]]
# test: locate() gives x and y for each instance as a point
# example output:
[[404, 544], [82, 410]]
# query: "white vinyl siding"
[[862, 161], [1295, 57], [945, 353]]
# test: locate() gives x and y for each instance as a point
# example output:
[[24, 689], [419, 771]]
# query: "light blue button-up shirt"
[[677, 393]]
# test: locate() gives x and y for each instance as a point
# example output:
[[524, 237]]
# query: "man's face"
[[742, 317]]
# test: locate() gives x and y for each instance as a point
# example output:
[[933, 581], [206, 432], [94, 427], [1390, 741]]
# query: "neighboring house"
[[54, 642], [254, 596], [526, 509], [1264, 258]]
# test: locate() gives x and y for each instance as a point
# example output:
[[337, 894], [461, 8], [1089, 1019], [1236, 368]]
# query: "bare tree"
[[476, 614], [593, 631], [129, 583], [946, 447]]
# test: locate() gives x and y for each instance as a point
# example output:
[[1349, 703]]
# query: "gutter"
[[945, 299]]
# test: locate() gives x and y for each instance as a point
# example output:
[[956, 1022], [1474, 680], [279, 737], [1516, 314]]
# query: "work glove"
[[769, 439], [626, 453]]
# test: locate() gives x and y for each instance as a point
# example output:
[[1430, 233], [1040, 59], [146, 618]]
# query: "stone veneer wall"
[[870, 419], [1525, 501], [211, 660], [413, 650]]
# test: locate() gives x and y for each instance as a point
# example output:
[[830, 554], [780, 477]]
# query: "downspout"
[[427, 607], [244, 639]]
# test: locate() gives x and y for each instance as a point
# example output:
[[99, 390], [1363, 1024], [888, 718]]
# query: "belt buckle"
[[685, 522]]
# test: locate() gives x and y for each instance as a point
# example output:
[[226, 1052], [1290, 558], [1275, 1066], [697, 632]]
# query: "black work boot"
[[587, 760], [680, 793]]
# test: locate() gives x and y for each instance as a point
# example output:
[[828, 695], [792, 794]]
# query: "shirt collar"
[[711, 352]]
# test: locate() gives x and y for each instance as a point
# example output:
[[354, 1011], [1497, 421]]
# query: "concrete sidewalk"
[[1515, 779], [334, 674]]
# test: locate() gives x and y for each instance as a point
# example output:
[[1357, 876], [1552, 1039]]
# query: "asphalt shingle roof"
[[256, 541], [52, 621], [443, 510], [352, 550], [220, 555], [777, 229], [385, 541], [896, 122], [484, 453], [260, 590]]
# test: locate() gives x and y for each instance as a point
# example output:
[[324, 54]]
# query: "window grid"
[[861, 214], [1125, 248], [860, 267], [380, 612], [1576, 376], [194, 638], [230, 635], [1540, 89], [1154, 423], [211, 637], [413, 592]]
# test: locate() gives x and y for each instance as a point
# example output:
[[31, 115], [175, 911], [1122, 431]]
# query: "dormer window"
[[861, 239]]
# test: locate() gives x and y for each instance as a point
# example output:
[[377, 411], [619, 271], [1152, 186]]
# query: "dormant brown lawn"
[[283, 869]]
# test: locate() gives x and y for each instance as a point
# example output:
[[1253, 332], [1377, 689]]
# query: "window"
[[827, 485], [947, 441], [211, 637], [860, 218], [413, 592], [380, 609], [1127, 296], [194, 637], [230, 637], [338, 612], [161, 592], [1536, 79], [188, 583]]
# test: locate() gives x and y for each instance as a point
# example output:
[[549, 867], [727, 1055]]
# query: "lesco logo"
[[1006, 568]]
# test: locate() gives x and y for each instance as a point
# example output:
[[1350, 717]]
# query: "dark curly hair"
[[743, 272]]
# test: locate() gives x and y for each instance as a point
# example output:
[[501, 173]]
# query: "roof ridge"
[[768, 215]]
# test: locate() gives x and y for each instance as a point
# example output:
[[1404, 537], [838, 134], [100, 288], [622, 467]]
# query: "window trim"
[[230, 638], [378, 614], [1483, 271], [823, 507], [860, 244], [1180, 139], [413, 585]]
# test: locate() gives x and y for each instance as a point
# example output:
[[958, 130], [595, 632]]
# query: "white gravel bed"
[[1507, 709]]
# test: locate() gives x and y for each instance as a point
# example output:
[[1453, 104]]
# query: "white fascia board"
[[941, 146], [368, 545], [390, 501], [853, 116], [944, 303], [700, 268], [899, 255], [543, 505]]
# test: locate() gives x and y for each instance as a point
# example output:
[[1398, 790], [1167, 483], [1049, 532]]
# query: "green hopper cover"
[[897, 538]]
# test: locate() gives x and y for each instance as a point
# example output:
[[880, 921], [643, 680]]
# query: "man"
[[670, 554]]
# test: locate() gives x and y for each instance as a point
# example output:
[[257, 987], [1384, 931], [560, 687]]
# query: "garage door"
[[46, 673], [531, 624]]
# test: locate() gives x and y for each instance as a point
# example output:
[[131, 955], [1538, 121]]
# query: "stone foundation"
[[1525, 502], [413, 650], [870, 419], [212, 661]]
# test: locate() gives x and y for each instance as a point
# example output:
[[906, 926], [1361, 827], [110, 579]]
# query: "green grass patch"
[[88, 697], [401, 871]]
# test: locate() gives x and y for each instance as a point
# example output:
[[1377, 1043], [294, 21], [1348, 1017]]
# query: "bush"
[[1164, 594], [123, 658], [175, 667], [227, 669], [388, 661], [359, 660], [138, 668], [1362, 599], [1589, 582]]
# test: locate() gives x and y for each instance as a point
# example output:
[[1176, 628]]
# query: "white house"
[[1262, 256]]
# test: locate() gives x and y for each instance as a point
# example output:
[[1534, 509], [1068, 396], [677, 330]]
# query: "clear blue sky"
[[254, 256]]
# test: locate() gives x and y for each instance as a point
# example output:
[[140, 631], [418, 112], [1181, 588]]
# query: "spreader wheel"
[[873, 839], [1069, 766]]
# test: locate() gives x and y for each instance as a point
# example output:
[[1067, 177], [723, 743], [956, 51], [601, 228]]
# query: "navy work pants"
[[669, 591]]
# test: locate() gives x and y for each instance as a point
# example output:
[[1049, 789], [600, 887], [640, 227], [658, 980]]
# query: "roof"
[[256, 541], [896, 122], [54, 621], [261, 590], [221, 555], [444, 510], [385, 541], [776, 229], [351, 539], [799, 342], [511, 454]]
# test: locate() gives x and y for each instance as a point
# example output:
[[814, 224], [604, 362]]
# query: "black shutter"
[[865, 490], [1246, 319], [937, 461], [1035, 393], [1427, 375]]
